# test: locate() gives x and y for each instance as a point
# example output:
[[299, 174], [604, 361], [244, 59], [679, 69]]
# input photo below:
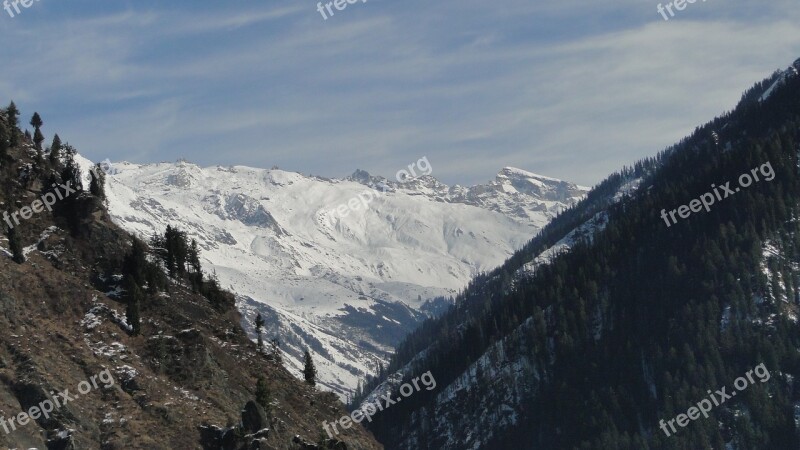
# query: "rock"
[[61, 440], [254, 418], [230, 440], [210, 437]]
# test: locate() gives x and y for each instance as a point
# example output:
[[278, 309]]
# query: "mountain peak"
[[515, 172]]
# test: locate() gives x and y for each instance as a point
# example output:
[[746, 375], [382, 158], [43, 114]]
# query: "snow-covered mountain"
[[330, 272], [464, 420]]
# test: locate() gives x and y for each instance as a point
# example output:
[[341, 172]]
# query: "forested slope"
[[636, 323]]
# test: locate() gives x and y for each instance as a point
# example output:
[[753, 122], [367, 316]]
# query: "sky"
[[569, 89]]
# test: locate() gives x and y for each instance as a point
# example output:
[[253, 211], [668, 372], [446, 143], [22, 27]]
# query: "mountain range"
[[349, 286]]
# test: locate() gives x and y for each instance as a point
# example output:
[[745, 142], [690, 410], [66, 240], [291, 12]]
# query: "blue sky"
[[570, 89]]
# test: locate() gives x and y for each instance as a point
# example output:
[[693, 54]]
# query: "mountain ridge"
[[347, 286], [607, 321]]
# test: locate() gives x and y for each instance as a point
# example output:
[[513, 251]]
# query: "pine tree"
[[143, 272], [12, 113], [55, 151], [36, 121], [309, 371], [259, 325], [71, 173], [38, 138], [195, 269], [173, 249], [15, 246], [12, 116], [263, 394], [5, 138], [169, 247], [134, 265], [194, 258]]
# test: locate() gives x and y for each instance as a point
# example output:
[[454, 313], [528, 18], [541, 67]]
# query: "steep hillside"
[[617, 319], [186, 380], [345, 268]]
